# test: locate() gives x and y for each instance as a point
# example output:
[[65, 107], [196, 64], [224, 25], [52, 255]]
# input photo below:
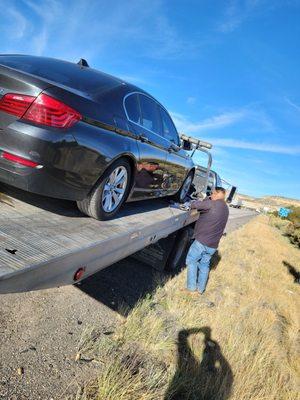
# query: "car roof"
[[64, 73]]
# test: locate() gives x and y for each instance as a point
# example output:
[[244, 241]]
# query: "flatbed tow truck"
[[46, 242]]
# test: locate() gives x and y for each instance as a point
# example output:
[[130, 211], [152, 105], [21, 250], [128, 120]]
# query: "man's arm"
[[201, 205]]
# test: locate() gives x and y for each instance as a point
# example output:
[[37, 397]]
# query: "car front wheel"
[[109, 193], [182, 193]]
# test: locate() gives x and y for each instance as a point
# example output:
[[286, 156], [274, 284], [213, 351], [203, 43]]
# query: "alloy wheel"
[[186, 187], [114, 189]]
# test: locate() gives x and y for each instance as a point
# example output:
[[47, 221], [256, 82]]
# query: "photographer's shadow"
[[210, 379]]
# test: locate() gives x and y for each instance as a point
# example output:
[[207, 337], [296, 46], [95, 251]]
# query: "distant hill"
[[272, 202]]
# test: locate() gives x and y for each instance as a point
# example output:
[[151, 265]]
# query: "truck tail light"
[[42, 110], [19, 160], [79, 274]]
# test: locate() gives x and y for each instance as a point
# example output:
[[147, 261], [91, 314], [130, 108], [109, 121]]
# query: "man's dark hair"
[[220, 189]]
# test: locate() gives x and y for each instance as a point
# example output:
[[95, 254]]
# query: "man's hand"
[[201, 205], [182, 206], [185, 206]]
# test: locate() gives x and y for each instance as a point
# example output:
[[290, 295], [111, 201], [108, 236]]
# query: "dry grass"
[[272, 202], [240, 341], [290, 226]]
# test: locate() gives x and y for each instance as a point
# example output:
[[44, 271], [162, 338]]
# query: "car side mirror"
[[208, 191], [186, 145]]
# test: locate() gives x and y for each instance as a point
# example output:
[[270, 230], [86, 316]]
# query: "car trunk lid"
[[12, 81]]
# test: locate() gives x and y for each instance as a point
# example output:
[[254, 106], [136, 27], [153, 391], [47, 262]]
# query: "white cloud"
[[236, 12], [232, 18], [215, 122], [266, 147], [17, 23], [254, 119], [82, 29], [47, 12], [292, 104], [191, 100], [165, 42], [39, 43]]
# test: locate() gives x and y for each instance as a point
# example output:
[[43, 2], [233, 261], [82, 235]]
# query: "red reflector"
[[15, 104], [79, 274], [46, 110], [19, 160]]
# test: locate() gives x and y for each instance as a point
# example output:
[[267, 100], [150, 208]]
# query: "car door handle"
[[173, 148], [144, 139]]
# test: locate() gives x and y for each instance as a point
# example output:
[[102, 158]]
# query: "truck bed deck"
[[43, 240]]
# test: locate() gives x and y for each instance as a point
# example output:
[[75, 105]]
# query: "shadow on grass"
[[215, 260], [123, 284], [210, 379], [292, 270]]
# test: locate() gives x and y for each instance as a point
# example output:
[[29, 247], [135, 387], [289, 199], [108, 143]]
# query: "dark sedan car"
[[71, 132]]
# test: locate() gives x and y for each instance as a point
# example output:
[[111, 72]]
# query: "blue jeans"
[[197, 262]]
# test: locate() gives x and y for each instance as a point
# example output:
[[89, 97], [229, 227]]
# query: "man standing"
[[208, 232]]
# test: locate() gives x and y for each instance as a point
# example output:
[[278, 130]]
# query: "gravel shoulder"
[[40, 331]]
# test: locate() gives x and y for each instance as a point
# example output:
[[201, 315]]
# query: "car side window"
[[218, 180], [168, 127], [133, 108], [211, 180], [150, 114], [201, 173]]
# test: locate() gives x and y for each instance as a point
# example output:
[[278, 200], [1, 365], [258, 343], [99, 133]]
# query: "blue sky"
[[228, 71]]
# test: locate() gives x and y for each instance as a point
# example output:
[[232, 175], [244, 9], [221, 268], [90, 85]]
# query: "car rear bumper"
[[41, 180], [63, 171]]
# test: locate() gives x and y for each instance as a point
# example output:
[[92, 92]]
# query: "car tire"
[[176, 259], [95, 204], [183, 191]]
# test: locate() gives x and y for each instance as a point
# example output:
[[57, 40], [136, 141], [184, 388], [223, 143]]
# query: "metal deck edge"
[[59, 270]]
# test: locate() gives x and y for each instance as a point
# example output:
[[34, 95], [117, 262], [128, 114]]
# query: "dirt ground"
[[40, 331]]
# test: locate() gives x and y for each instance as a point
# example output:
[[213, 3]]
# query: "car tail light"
[[15, 104], [42, 110], [46, 110], [19, 160]]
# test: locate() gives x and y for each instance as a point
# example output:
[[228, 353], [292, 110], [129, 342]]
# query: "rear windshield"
[[65, 73]]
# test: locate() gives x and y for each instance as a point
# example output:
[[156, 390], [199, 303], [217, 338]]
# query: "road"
[[40, 331]]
